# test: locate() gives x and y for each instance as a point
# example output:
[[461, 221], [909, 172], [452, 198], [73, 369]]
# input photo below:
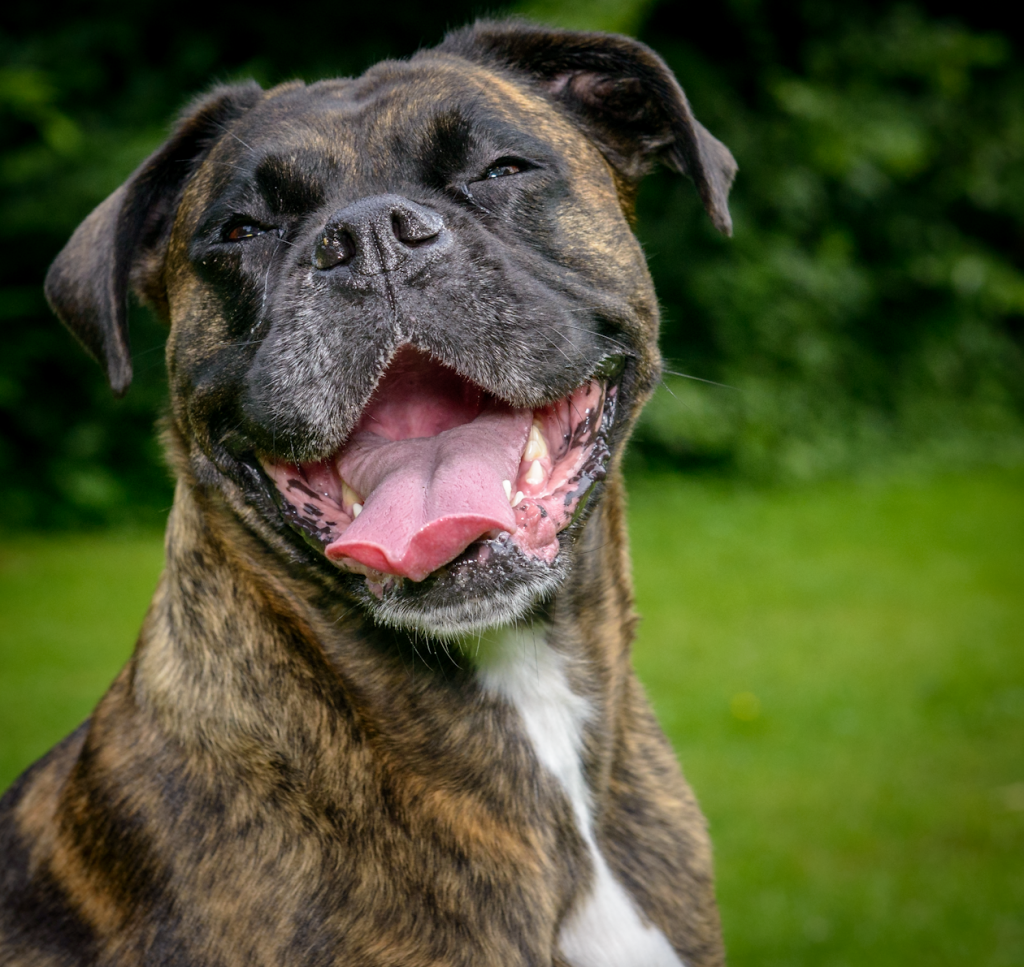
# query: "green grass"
[[841, 669], [842, 672], [70, 609]]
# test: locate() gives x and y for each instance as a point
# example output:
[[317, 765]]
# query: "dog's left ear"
[[621, 91], [124, 240]]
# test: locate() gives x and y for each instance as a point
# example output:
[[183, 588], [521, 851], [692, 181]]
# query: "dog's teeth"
[[535, 475], [357, 509], [349, 496], [507, 485], [518, 499], [536, 445]]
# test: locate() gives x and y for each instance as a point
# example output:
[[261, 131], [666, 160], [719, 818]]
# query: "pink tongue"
[[429, 498]]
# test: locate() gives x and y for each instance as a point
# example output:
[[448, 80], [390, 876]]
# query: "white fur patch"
[[606, 929]]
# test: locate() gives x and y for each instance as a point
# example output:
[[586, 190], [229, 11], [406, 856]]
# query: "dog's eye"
[[500, 171], [238, 233], [504, 167]]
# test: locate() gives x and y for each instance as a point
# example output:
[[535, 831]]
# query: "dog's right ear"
[[622, 94], [125, 239]]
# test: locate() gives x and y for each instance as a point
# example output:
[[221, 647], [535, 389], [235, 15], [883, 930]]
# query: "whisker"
[[138, 354], [415, 649], [225, 164], [600, 335], [562, 351], [451, 658], [699, 379], [589, 332], [228, 130]]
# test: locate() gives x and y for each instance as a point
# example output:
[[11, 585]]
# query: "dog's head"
[[409, 322]]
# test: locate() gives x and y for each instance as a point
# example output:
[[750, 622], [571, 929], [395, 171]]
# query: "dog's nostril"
[[413, 228], [333, 249]]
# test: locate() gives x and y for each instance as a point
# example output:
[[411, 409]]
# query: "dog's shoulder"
[[39, 923]]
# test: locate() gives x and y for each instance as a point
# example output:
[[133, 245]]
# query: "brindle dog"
[[381, 710]]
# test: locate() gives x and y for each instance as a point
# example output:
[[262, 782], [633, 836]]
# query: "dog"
[[381, 710]]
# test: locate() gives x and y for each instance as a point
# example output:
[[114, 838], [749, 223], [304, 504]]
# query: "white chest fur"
[[606, 929]]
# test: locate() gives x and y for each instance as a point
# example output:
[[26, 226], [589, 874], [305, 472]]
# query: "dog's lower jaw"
[[509, 590], [468, 614]]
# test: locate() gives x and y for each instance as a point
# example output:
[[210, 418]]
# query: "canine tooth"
[[536, 445], [518, 499], [507, 485], [535, 475], [357, 509], [348, 495]]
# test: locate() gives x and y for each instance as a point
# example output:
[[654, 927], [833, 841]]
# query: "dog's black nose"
[[378, 234]]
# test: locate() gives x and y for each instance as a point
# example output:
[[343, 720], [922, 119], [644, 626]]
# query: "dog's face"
[[410, 324]]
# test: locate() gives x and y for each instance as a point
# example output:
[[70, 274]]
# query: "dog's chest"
[[605, 929]]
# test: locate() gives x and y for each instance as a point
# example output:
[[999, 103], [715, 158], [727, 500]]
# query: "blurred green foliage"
[[870, 305]]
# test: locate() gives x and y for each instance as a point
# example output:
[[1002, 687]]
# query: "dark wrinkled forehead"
[[433, 103]]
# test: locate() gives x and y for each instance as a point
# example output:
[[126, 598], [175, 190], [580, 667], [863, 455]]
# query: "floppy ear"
[[125, 239], [621, 92]]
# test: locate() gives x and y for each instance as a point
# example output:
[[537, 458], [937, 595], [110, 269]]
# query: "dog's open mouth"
[[436, 464]]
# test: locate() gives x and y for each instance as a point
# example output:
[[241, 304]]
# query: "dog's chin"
[[492, 584]]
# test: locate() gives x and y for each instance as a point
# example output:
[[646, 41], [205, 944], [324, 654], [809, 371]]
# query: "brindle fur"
[[277, 777]]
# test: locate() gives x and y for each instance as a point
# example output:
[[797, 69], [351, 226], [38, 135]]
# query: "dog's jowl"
[[381, 710]]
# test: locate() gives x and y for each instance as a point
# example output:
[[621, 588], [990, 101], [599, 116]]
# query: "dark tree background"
[[870, 307]]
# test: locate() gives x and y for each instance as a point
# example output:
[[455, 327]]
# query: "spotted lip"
[[439, 476]]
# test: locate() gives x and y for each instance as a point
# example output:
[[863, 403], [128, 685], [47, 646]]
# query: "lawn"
[[841, 669]]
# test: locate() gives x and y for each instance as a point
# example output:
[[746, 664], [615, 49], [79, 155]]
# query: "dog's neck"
[[250, 653], [506, 741]]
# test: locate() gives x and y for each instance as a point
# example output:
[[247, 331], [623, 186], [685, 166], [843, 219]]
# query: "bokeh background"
[[827, 490]]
